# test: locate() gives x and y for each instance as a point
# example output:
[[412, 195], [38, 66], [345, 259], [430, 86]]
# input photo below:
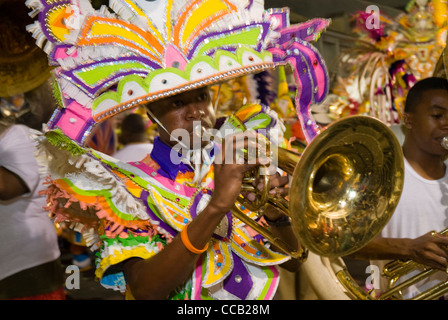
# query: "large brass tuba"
[[344, 189]]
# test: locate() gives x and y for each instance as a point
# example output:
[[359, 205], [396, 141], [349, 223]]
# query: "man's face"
[[182, 112], [428, 124]]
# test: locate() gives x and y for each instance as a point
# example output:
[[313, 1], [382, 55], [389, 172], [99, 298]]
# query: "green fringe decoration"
[[181, 293], [57, 94], [58, 139], [132, 240]]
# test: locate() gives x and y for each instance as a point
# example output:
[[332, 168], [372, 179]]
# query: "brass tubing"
[[422, 275], [397, 268], [434, 292], [265, 233], [351, 286]]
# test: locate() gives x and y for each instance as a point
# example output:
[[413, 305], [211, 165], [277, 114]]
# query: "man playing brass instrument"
[[164, 227], [423, 206]]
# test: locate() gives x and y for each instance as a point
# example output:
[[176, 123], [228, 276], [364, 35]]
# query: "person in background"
[[134, 139], [422, 211], [30, 265]]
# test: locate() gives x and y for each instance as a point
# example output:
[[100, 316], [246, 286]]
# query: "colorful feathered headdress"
[[115, 58]]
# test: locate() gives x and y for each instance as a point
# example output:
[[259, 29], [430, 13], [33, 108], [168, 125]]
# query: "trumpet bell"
[[346, 186]]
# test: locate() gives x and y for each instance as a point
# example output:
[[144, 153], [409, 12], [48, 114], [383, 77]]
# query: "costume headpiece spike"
[[109, 61]]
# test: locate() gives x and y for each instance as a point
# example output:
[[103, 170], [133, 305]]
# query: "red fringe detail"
[[113, 225]]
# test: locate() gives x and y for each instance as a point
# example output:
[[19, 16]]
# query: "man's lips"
[[440, 138]]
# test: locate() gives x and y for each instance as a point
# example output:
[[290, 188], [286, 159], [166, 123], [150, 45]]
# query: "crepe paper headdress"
[[135, 52]]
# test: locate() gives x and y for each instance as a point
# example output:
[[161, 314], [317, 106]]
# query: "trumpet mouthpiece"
[[445, 143]]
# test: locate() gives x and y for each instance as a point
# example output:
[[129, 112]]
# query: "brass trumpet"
[[344, 188], [394, 271], [397, 269]]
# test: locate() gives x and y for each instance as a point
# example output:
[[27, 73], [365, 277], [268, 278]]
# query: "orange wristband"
[[187, 243]]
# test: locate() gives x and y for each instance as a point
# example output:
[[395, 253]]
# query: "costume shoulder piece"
[[84, 189]]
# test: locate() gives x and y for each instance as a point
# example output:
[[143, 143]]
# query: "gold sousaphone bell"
[[344, 188]]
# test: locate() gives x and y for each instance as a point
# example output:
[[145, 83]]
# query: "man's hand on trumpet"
[[277, 188], [430, 249]]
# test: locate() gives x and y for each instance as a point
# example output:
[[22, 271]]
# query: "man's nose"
[[195, 111]]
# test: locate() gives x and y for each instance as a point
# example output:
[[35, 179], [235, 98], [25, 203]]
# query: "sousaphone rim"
[[385, 148]]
